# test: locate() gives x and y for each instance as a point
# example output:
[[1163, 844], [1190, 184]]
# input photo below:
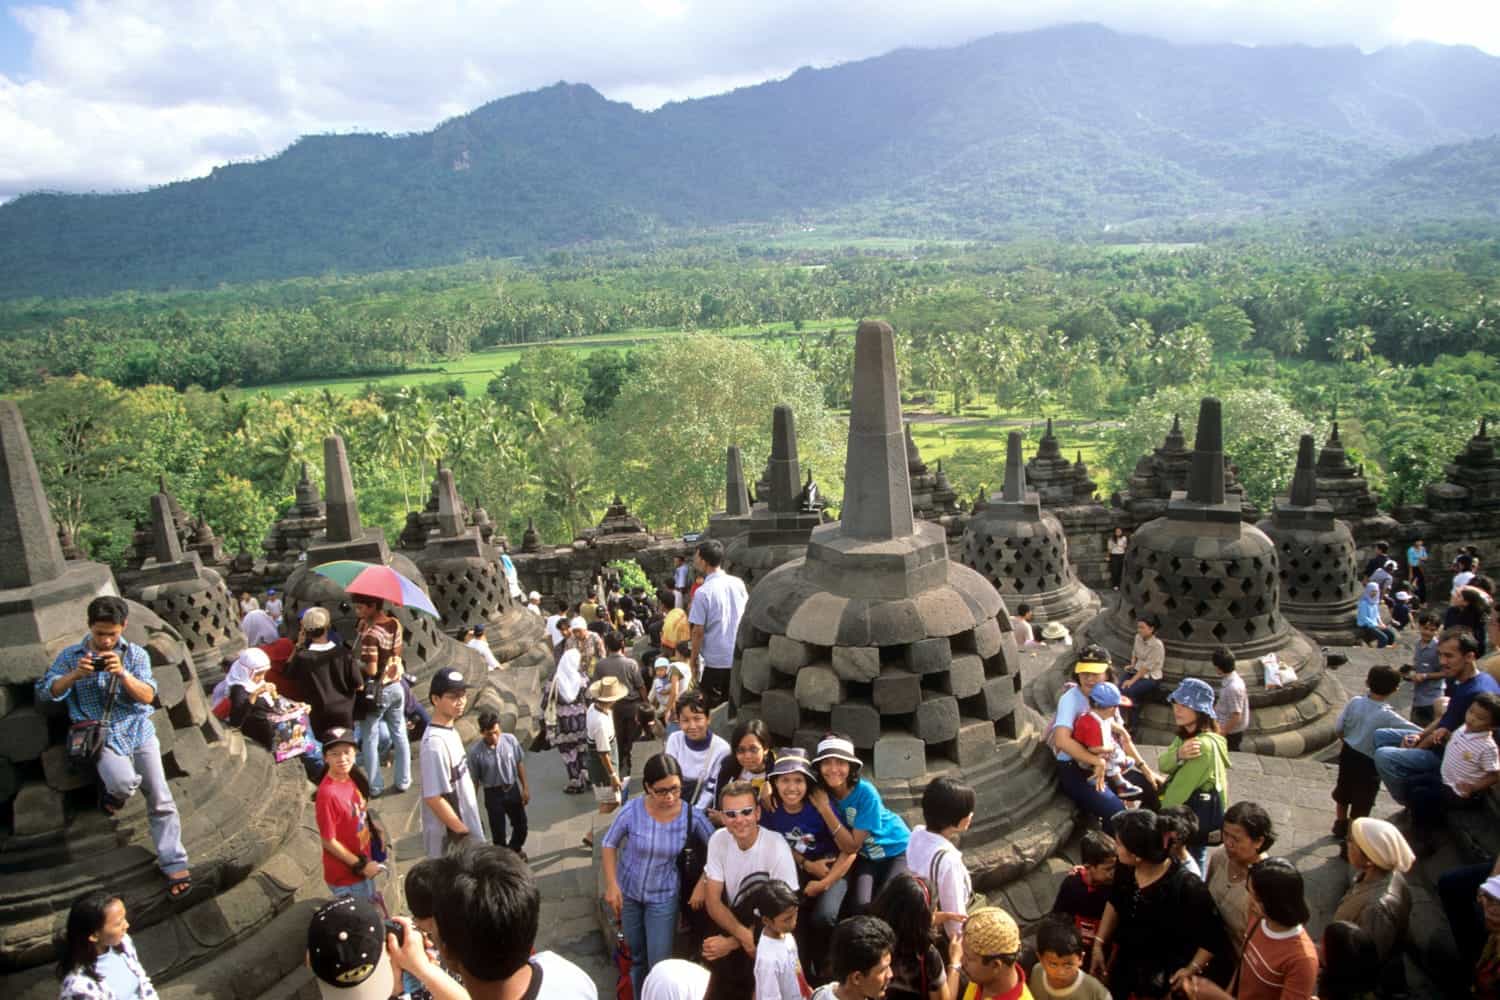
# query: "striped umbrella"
[[376, 580]]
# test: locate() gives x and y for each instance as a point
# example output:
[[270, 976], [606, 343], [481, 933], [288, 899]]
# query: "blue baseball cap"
[[1106, 695]]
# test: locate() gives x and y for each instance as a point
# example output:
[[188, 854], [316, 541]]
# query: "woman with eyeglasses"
[[1160, 926], [640, 863], [749, 759]]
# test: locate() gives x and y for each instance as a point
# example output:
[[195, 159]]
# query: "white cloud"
[[128, 93]]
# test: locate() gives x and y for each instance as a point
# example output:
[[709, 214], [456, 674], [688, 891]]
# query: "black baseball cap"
[[338, 734], [346, 951], [445, 681]]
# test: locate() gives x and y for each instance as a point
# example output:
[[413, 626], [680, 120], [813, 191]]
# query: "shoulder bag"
[[86, 739], [691, 859]]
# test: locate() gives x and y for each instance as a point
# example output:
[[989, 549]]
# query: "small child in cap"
[[1100, 733]]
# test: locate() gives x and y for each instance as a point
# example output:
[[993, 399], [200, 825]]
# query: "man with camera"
[[106, 679]]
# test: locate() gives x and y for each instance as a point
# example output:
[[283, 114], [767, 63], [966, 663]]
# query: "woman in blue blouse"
[[99, 960], [640, 863], [879, 835]]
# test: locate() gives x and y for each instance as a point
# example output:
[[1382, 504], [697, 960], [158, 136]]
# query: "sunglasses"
[[734, 813]]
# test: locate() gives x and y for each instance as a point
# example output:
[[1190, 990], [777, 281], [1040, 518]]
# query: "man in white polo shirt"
[[715, 620]]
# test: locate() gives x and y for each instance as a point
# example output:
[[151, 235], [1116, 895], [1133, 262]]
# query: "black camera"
[[398, 929]]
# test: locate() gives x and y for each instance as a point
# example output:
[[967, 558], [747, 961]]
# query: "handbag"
[[1207, 805], [542, 740], [86, 739], [691, 860]]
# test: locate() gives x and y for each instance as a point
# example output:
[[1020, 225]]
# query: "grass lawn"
[[475, 370], [981, 439]]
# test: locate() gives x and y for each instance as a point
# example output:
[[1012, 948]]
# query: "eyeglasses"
[[733, 813], [750, 748], [666, 791]]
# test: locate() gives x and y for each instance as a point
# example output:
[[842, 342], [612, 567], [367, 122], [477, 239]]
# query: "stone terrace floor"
[[1295, 792]]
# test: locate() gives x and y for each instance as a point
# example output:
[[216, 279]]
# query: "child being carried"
[[1101, 732]]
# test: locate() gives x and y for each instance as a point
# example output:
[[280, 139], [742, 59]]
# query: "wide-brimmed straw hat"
[[607, 690]]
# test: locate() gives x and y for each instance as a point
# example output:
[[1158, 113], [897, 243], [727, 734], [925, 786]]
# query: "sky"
[[110, 95]]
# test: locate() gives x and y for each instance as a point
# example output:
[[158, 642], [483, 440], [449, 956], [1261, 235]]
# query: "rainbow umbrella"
[[375, 580]]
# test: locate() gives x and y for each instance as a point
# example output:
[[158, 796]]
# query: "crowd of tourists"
[[742, 869]]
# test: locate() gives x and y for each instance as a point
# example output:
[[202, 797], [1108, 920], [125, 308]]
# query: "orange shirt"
[[1278, 965]]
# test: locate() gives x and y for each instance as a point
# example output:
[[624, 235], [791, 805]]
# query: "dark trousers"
[[502, 803], [627, 730], [715, 686], [1459, 889], [1235, 740]]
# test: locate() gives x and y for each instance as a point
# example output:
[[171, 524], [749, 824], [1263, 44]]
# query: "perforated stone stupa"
[[1320, 585], [1343, 486], [1161, 474], [876, 633], [1211, 579], [932, 497], [190, 597], [1023, 552], [778, 532], [1066, 490], [246, 823]]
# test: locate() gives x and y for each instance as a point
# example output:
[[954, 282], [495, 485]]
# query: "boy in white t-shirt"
[[1471, 764], [778, 968], [697, 751], [450, 808]]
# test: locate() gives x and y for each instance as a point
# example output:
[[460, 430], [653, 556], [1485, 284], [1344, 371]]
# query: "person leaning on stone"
[[81, 677]]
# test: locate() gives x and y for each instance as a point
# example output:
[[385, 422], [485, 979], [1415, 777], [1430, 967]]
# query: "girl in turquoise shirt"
[[879, 834]]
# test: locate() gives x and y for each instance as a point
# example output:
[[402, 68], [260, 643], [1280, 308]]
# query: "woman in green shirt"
[[1196, 763]]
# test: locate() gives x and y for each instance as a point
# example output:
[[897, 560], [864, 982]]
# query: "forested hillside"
[[1072, 131]]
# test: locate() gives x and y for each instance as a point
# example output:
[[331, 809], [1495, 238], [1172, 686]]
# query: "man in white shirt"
[[534, 603], [1233, 705], [743, 852], [715, 619], [1020, 625]]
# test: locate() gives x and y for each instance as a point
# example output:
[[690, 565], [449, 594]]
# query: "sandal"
[[179, 887], [110, 804]]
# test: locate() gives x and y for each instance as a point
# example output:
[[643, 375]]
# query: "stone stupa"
[[246, 821], [1022, 551], [1320, 584], [877, 634], [734, 519], [1343, 486], [778, 531], [1214, 580]]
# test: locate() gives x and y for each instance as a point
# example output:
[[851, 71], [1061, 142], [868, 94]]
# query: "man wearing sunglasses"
[[740, 855]]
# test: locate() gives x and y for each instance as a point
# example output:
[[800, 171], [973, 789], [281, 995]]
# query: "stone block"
[[755, 669], [966, 675], [999, 695], [975, 743], [23, 734], [937, 718], [789, 655], [988, 638], [165, 734], [60, 774], [38, 810], [11, 695], [819, 689], [170, 687], [928, 656], [779, 709], [192, 709], [900, 755], [897, 692], [10, 780], [860, 720], [808, 739], [190, 754], [856, 663]]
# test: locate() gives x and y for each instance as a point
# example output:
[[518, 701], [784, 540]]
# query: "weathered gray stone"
[[62, 776], [789, 655], [928, 656], [856, 663], [999, 695], [966, 676], [819, 688], [937, 718], [900, 755], [755, 669], [988, 638], [23, 734], [779, 708], [877, 490], [897, 692], [860, 720], [38, 810], [27, 535], [343, 506], [975, 743]]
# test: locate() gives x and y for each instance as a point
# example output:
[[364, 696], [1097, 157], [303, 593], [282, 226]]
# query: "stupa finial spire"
[[27, 535], [877, 483], [343, 507], [1206, 477]]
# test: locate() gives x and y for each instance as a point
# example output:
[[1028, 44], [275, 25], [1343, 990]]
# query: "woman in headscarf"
[[245, 698], [259, 628], [570, 688], [1378, 901], [1367, 618]]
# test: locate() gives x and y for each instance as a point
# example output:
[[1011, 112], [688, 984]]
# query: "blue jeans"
[[1402, 768], [649, 929], [360, 890], [1077, 785], [391, 715], [1136, 689], [121, 776]]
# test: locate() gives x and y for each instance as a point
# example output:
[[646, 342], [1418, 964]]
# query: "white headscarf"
[[242, 673], [569, 678], [259, 628]]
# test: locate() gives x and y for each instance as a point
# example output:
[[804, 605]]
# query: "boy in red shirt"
[[343, 822]]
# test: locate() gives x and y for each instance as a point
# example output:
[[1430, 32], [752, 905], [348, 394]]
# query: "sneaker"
[[1127, 790]]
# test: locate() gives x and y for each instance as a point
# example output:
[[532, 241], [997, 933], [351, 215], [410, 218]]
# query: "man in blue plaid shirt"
[[82, 676]]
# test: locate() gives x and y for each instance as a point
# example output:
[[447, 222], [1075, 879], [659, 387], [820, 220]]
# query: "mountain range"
[[1071, 131]]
